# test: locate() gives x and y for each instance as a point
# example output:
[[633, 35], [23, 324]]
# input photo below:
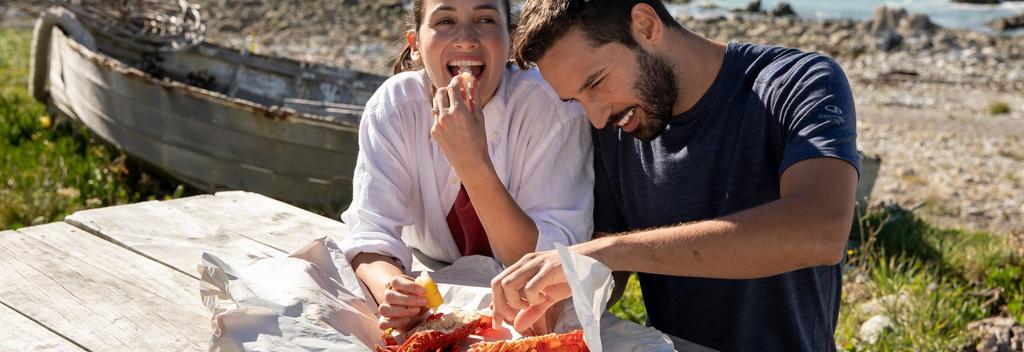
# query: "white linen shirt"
[[403, 186]]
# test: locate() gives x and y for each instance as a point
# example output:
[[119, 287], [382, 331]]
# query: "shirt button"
[[453, 180], [495, 138]]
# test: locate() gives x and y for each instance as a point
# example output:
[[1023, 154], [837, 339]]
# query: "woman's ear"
[[414, 49]]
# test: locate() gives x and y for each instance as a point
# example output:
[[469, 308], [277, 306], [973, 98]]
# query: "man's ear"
[[646, 25], [414, 48]]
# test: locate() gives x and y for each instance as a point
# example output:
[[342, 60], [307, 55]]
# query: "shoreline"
[[950, 15]]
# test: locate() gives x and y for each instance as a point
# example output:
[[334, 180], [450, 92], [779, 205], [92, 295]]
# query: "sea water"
[[942, 12]]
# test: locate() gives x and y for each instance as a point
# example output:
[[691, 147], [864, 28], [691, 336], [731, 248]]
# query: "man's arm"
[[808, 226]]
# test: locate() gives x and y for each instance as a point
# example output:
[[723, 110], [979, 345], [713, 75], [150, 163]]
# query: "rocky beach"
[[943, 108]]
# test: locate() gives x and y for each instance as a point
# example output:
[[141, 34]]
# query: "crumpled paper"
[[591, 284], [311, 300]]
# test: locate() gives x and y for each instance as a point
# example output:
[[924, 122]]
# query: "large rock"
[[1008, 23], [998, 335], [874, 327], [917, 23], [782, 10], [890, 26], [753, 6]]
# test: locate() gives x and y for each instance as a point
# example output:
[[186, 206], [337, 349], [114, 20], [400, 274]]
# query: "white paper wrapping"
[[312, 301], [591, 283]]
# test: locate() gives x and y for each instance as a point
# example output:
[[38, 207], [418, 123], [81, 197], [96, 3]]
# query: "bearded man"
[[725, 175]]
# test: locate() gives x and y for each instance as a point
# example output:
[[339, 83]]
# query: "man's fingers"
[[534, 288], [499, 310], [512, 286], [529, 316]]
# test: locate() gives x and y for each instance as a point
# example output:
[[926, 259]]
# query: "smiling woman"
[[460, 154]]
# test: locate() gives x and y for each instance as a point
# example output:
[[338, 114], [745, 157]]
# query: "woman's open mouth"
[[476, 67]]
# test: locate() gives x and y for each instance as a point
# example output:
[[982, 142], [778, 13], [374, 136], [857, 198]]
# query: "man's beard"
[[656, 85]]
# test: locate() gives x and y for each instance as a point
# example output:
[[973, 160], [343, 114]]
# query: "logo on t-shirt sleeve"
[[834, 115]]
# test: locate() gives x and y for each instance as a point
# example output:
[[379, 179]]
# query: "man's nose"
[[597, 113]]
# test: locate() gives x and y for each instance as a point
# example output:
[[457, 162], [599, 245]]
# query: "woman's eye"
[[486, 20], [444, 21]]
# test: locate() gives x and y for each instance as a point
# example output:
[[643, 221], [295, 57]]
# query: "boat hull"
[[207, 139]]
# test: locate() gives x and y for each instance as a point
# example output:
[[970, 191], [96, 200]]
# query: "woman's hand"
[[403, 304], [459, 128]]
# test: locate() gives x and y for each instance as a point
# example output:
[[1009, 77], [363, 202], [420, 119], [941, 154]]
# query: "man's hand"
[[524, 291]]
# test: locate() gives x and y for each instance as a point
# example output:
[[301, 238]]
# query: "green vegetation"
[[631, 305], [999, 108], [49, 168], [931, 282]]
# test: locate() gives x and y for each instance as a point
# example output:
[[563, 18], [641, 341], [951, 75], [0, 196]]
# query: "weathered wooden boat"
[[213, 117]]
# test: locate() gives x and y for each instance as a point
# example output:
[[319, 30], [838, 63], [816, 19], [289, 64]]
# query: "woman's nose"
[[467, 37]]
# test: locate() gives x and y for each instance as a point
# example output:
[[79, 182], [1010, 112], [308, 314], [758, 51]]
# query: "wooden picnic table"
[[124, 278]]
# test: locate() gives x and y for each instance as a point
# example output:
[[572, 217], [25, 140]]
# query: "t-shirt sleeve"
[[607, 215], [815, 107]]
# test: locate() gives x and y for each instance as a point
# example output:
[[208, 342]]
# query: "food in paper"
[[567, 342], [447, 332], [438, 332]]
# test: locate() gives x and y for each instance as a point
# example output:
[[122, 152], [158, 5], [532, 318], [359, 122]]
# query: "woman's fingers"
[[404, 299], [457, 95], [400, 324], [406, 284], [443, 100], [396, 311]]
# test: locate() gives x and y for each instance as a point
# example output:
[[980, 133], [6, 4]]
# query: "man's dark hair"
[[543, 22]]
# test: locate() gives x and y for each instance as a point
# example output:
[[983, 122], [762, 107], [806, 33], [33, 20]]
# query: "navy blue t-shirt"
[[767, 109]]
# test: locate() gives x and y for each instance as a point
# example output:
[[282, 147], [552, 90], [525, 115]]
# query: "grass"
[[930, 281], [999, 108], [50, 168]]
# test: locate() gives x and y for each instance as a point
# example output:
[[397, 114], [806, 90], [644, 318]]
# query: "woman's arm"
[[383, 181], [460, 134], [510, 231], [376, 271]]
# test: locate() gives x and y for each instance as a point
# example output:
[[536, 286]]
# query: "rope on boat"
[[145, 25]]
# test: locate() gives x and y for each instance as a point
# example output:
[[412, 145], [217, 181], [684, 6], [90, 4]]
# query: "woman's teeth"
[[456, 67], [458, 63], [625, 120]]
